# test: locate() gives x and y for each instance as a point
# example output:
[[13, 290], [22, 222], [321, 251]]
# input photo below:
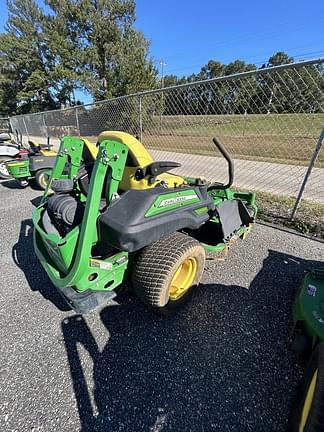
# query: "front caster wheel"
[[166, 272], [22, 183]]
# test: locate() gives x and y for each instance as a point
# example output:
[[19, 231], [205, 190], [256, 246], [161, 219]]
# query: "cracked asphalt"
[[223, 363]]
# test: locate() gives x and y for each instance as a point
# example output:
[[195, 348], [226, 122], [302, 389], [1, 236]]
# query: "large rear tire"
[[308, 411], [4, 173], [166, 272]]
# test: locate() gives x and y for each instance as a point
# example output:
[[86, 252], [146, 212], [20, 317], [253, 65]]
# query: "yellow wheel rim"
[[44, 179], [183, 279], [308, 402]]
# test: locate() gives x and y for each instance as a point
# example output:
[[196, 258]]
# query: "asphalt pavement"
[[223, 363]]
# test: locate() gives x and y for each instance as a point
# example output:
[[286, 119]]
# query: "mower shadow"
[[221, 363], [12, 184], [24, 257], [9, 184]]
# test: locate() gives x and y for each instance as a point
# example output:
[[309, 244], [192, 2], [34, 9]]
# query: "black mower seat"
[[124, 225]]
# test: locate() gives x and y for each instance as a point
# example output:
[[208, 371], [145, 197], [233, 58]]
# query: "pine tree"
[[74, 44], [109, 56], [24, 75]]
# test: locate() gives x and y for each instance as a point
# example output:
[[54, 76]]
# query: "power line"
[[256, 35], [190, 67]]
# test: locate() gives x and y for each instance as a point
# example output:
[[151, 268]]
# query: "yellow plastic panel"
[[135, 147]]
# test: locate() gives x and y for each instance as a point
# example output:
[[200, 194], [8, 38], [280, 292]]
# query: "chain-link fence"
[[4, 124], [269, 119]]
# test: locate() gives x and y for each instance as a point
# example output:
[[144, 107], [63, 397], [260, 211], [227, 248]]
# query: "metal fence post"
[[140, 118], [11, 124], [77, 120], [308, 173], [25, 127], [44, 124]]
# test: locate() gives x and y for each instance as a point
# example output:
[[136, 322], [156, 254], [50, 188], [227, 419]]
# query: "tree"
[[46, 54], [24, 82], [279, 58], [290, 90], [112, 57], [224, 97]]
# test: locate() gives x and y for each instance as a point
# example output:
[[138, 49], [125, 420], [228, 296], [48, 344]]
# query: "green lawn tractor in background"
[[308, 341], [9, 150], [115, 214], [34, 163]]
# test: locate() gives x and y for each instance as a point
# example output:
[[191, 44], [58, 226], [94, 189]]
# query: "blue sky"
[[186, 34]]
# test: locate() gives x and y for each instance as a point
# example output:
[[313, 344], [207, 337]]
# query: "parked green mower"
[[308, 314], [35, 164], [115, 214]]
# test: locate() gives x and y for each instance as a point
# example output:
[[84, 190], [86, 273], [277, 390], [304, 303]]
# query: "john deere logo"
[[177, 200]]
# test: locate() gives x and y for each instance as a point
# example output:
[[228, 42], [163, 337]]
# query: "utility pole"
[[162, 64]]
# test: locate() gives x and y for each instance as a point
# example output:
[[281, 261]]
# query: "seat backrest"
[[138, 157], [89, 152]]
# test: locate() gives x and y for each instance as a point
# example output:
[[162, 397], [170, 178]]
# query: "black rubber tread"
[[156, 264], [38, 177], [315, 421]]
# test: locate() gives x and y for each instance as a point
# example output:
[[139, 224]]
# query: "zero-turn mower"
[[34, 163], [116, 214], [308, 341]]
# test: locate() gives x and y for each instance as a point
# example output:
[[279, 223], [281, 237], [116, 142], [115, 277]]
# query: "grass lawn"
[[281, 138], [309, 218]]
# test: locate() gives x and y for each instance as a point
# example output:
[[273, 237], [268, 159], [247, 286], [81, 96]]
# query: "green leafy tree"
[[46, 54], [110, 56], [290, 90], [24, 74], [224, 97], [33, 77], [279, 58]]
